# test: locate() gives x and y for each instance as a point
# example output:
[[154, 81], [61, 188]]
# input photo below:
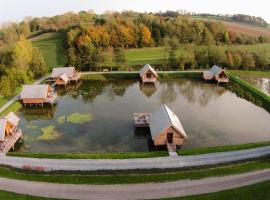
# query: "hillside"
[[240, 28], [51, 46]]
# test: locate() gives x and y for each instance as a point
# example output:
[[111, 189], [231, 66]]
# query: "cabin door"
[[148, 75], [170, 138]]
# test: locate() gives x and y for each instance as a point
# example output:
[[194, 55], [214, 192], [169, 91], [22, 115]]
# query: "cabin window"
[[148, 75], [170, 138]]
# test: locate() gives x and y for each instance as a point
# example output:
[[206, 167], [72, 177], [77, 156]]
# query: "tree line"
[[19, 63]]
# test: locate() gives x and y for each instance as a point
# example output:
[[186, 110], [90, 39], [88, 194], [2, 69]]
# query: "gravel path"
[[134, 191], [136, 163]]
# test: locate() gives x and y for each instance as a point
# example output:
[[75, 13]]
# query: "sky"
[[16, 10]]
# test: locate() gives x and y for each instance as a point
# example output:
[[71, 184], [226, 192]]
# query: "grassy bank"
[[259, 191], [133, 176], [126, 155], [15, 196], [250, 92], [52, 48], [205, 150], [12, 108]]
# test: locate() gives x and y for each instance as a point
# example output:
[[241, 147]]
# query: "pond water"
[[97, 116]]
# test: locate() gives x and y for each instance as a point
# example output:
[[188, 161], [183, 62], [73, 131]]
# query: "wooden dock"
[[10, 141], [141, 119]]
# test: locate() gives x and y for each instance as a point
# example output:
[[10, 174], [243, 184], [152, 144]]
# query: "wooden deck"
[[141, 119], [75, 78], [10, 141]]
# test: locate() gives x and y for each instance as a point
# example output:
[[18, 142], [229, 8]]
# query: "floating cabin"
[[64, 75], [165, 126], [148, 74], [216, 73], [38, 95], [9, 132]]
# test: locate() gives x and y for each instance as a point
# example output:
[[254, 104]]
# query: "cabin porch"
[[10, 140]]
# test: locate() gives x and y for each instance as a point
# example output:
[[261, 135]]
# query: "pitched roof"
[[58, 71], [163, 119], [2, 128], [12, 118], [64, 77], [146, 68], [34, 91], [216, 70]]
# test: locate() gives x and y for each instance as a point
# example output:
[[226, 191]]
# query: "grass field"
[[51, 46], [238, 27]]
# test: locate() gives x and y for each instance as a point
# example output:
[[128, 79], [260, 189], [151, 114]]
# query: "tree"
[[216, 55], [22, 54], [226, 37], [37, 65], [207, 37], [201, 56], [145, 38], [5, 87], [119, 56]]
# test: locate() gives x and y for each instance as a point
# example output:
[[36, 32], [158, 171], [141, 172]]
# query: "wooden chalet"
[[64, 75], [38, 95], [9, 132], [216, 73], [166, 128], [148, 74]]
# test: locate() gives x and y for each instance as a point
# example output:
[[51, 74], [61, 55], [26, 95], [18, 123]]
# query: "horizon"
[[17, 11]]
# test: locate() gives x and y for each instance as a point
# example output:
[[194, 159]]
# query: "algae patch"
[[78, 118], [49, 133], [61, 119]]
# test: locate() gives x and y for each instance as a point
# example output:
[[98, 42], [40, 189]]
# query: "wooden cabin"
[[148, 74], [9, 132], [64, 75], [37, 95], [166, 128], [217, 74]]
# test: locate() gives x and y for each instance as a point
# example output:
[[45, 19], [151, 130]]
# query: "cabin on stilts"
[[148, 74], [64, 75], [166, 128], [217, 74], [38, 95], [9, 132]]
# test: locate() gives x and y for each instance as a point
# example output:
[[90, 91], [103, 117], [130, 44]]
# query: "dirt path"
[[134, 191]]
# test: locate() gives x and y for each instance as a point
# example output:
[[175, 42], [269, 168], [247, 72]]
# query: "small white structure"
[[166, 127], [9, 132], [216, 73], [37, 94], [63, 75], [148, 74]]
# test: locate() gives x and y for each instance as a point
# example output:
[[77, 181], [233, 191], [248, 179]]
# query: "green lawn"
[[133, 176], [51, 46], [204, 150], [259, 191]]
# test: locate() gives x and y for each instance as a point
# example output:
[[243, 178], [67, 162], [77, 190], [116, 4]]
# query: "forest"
[[91, 39]]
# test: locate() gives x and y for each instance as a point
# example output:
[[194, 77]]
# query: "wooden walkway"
[[10, 141]]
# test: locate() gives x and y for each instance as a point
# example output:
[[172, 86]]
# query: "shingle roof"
[[163, 119], [12, 118], [64, 77], [215, 70], [34, 91], [58, 71], [146, 68], [2, 128]]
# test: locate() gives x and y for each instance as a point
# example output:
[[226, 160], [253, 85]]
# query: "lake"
[[97, 116]]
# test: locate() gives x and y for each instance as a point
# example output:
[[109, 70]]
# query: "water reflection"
[[210, 115]]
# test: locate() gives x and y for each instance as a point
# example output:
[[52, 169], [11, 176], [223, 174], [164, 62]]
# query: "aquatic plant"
[[49, 133], [80, 118], [61, 119], [31, 126]]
